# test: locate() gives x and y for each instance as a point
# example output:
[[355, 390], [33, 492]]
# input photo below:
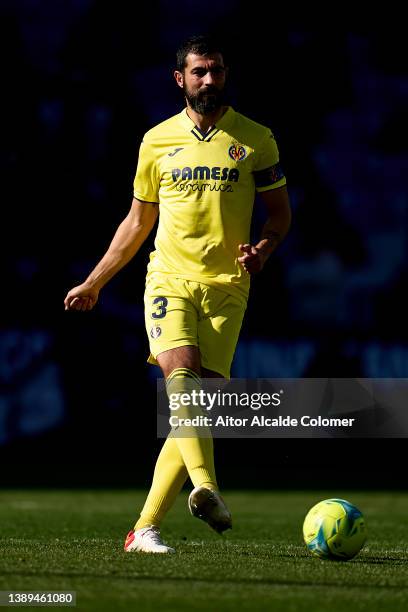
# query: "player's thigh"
[[218, 336], [180, 357], [170, 318]]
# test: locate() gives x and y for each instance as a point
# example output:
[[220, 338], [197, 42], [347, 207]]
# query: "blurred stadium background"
[[82, 81]]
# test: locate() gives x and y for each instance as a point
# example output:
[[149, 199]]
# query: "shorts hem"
[[219, 370], [152, 359]]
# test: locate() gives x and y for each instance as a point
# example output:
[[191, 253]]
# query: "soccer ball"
[[334, 529]]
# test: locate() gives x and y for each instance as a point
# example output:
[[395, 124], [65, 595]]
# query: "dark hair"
[[203, 44]]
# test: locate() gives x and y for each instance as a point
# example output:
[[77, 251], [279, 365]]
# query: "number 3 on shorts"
[[160, 303]]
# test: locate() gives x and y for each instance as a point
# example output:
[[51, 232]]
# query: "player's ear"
[[179, 76]]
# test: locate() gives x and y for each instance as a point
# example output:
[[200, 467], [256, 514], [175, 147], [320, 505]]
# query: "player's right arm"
[[128, 239]]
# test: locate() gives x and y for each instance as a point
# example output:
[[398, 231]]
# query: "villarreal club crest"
[[237, 152]]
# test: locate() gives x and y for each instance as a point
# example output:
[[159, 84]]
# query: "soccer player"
[[198, 172]]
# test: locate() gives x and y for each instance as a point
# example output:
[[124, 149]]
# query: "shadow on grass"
[[300, 555], [383, 560], [205, 581]]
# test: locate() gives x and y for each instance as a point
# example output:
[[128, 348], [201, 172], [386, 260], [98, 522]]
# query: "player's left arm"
[[273, 232]]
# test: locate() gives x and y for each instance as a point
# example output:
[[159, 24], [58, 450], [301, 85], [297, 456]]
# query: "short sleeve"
[[267, 171], [147, 180]]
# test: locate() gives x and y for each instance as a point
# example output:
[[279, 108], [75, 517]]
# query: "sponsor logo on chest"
[[205, 173]]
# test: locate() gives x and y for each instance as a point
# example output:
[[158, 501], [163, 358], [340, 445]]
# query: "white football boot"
[[146, 540], [209, 506]]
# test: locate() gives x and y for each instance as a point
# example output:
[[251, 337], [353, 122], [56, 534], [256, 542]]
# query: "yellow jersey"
[[205, 185]]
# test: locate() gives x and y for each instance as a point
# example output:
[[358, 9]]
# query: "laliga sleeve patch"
[[268, 176]]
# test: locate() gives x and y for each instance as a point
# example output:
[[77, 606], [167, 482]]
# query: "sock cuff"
[[183, 373]]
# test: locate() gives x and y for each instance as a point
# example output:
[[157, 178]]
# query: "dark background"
[[82, 81]]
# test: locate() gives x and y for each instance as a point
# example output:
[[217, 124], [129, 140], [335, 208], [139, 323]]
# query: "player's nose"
[[208, 78]]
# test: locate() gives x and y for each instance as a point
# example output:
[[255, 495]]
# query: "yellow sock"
[[183, 454], [195, 443], [169, 476]]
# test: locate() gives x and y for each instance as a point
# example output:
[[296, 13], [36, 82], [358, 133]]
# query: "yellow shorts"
[[181, 312]]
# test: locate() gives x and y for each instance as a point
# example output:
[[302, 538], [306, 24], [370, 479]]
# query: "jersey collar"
[[222, 124]]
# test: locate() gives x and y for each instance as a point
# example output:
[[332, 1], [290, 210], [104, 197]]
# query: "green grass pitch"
[[73, 540]]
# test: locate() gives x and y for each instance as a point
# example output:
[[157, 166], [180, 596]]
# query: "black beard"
[[205, 102]]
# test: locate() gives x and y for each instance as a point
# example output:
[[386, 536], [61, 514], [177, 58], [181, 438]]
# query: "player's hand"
[[252, 260], [83, 297]]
